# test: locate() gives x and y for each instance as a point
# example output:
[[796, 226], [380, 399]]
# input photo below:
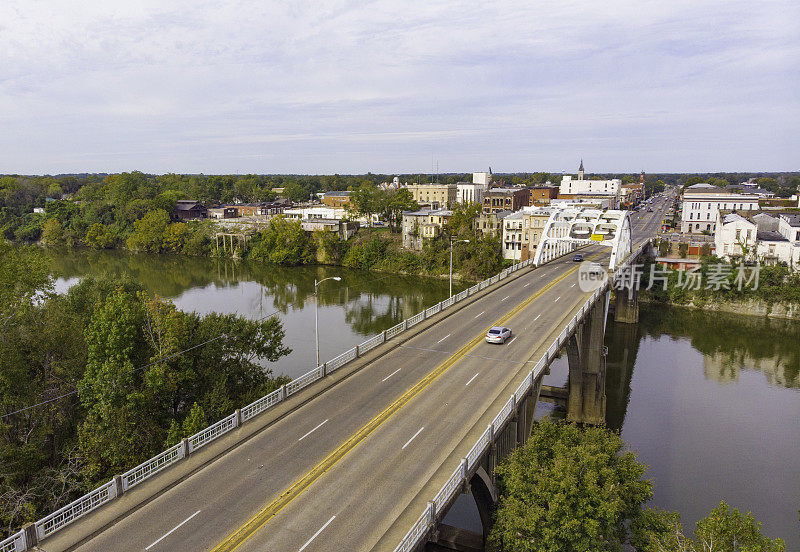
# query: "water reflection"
[[361, 305]]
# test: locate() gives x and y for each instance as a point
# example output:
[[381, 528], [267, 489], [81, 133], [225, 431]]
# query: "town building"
[[422, 225], [702, 203], [469, 192], [189, 209], [512, 236], [483, 178], [504, 199], [631, 194], [337, 199], [444, 194], [522, 231], [343, 228], [490, 224], [583, 188], [542, 195], [222, 212], [768, 238]]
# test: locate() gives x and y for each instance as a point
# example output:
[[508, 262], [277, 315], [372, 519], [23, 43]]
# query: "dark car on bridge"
[[577, 258]]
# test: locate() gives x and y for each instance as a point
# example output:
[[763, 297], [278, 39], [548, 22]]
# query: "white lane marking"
[[445, 337], [512, 339], [321, 529], [537, 317], [390, 375], [413, 437], [557, 298], [313, 430], [543, 275], [173, 530], [572, 286], [472, 378], [504, 298], [480, 313], [526, 285]]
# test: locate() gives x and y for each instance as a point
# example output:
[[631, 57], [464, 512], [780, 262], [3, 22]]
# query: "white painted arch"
[[571, 227]]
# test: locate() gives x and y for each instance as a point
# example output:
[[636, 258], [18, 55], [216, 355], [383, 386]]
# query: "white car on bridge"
[[498, 334]]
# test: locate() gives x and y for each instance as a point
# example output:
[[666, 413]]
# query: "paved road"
[[345, 471]]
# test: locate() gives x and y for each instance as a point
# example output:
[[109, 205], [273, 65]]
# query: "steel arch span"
[[571, 227]]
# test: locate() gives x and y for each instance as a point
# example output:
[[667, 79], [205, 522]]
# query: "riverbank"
[[742, 307]]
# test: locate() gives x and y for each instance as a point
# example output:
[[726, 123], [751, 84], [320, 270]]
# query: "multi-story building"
[[422, 225], [631, 194], [542, 195], [490, 224], [482, 178], [583, 188], [702, 203], [504, 199], [340, 199], [522, 231], [444, 194], [469, 192], [758, 236], [512, 236]]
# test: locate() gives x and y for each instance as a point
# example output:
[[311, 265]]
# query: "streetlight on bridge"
[[452, 241], [316, 303]]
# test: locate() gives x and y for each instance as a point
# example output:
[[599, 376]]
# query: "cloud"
[[385, 85]]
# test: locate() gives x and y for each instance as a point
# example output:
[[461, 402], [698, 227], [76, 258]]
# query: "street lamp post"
[[452, 241], [316, 318]]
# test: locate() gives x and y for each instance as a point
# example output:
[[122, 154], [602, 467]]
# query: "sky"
[[398, 86]]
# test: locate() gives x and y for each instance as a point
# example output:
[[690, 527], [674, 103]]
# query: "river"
[[709, 402]]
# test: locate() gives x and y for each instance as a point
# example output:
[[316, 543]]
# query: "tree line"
[[117, 375]]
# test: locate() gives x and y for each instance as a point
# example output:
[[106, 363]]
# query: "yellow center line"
[[247, 529]]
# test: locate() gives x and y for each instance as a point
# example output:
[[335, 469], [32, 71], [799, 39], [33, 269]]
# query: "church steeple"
[[580, 170]]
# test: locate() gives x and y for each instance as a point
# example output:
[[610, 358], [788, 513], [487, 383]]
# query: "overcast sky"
[[394, 86]]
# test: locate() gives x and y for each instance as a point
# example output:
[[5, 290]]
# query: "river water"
[[711, 403]]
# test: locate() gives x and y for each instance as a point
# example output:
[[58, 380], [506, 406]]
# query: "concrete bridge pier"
[[586, 402], [626, 308]]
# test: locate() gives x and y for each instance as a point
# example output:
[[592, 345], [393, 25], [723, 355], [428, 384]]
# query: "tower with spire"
[[580, 171]]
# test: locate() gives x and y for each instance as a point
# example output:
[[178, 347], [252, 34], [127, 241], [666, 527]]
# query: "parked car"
[[577, 258], [498, 334]]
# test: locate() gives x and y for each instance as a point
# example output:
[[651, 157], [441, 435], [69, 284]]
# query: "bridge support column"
[[587, 370], [626, 308]]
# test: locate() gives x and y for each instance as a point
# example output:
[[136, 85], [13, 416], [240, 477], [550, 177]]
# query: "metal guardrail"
[[92, 500], [426, 522]]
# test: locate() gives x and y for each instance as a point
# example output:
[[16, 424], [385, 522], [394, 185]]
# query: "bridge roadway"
[[353, 468]]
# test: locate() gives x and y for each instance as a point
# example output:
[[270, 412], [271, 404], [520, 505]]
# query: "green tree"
[[393, 203], [663, 248], [99, 237], [683, 249], [283, 242], [149, 231], [568, 489], [53, 232], [365, 201], [176, 236]]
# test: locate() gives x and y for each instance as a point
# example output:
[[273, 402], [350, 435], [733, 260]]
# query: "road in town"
[[350, 468]]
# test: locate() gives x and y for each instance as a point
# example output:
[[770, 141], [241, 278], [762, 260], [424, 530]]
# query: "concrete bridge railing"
[[34, 533]]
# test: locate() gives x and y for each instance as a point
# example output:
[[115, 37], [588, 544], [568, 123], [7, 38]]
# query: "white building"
[[482, 178], [512, 236], [469, 193], [326, 213], [578, 188], [758, 237], [702, 202], [570, 186]]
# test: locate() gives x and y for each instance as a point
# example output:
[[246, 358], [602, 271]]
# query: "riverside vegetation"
[[103, 377], [577, 489]]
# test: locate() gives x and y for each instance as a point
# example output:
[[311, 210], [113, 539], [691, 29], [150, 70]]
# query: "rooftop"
[[770, 235], [342, 193]]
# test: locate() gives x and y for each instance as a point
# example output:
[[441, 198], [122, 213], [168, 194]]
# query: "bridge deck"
[[367, 483]]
